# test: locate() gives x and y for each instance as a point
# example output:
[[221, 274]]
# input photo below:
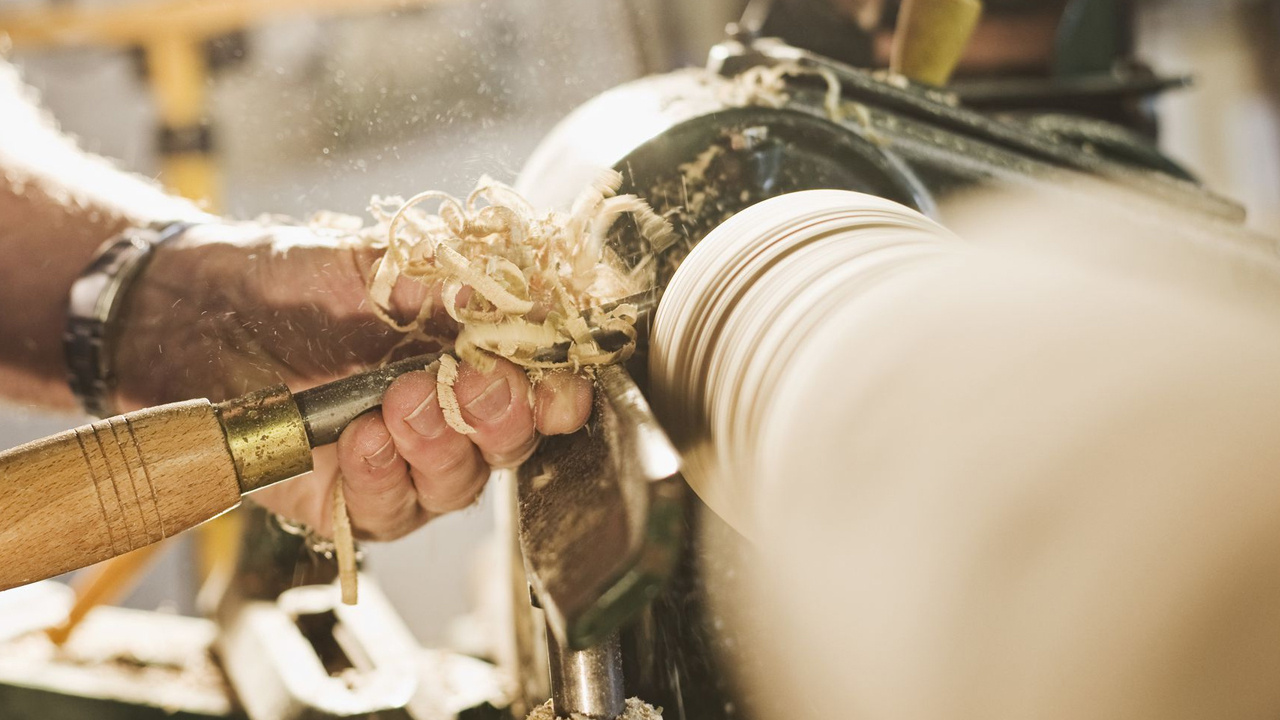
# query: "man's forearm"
[[58, 204]]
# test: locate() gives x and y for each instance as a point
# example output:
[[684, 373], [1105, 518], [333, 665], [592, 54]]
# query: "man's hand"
[[231, 308]]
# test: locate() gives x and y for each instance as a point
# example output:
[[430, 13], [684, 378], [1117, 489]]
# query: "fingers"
[[380, 495], [498, 405], [562, 402], [405, 464], [446, 468]]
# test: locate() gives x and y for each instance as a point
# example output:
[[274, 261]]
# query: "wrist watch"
[[94, 308]]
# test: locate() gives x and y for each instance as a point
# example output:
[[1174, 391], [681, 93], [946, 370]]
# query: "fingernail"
[[493, 402], [564, 405], [424, 421], [383, 456], [560, 412]]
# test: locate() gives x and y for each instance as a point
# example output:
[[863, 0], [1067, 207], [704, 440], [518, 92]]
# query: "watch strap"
[[94, 308]]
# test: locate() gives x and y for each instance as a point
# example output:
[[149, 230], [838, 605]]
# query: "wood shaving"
[[535, 280], [891, 78], [901, 82], [637, 709], [767, 86], [446, 376], [344, 544]]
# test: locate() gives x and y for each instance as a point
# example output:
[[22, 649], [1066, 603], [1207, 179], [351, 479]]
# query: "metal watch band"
[[93, 307]]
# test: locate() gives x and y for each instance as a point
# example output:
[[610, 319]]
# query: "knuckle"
[[510, 446], [458, 494], [453, 464]]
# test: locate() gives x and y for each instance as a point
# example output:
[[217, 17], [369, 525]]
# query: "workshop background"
[[320, 110]]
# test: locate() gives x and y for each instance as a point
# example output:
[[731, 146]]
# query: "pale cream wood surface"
[[104, 489], [1032, 478]]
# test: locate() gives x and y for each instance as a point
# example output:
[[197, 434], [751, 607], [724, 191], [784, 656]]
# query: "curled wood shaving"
[[484, 283], [446, 376], [760, 85], [535, 280], [767, 86], [505, 340], [344, 544]]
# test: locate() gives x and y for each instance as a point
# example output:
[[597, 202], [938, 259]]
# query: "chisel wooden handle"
[[104, 489]]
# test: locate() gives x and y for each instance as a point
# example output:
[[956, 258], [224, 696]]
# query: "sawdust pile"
[[516, 281], [637, 709]]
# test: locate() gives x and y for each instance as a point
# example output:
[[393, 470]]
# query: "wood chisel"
[[101, 490]]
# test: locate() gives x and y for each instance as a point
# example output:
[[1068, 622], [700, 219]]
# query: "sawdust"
[[637, 709]]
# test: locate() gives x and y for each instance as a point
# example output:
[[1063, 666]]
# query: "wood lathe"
[[612, 552]]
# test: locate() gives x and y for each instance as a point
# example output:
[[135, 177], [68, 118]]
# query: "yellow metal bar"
[[192, 175], [218, 547], [178, 73], [137, 23], [104, 583]]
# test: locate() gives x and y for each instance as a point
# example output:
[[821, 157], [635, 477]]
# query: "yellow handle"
[[104, 489], [931, 38]]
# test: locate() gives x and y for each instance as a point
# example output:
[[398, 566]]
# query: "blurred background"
[[317, 106]]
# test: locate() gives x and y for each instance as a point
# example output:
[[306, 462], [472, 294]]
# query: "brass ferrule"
[[267, 437]]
